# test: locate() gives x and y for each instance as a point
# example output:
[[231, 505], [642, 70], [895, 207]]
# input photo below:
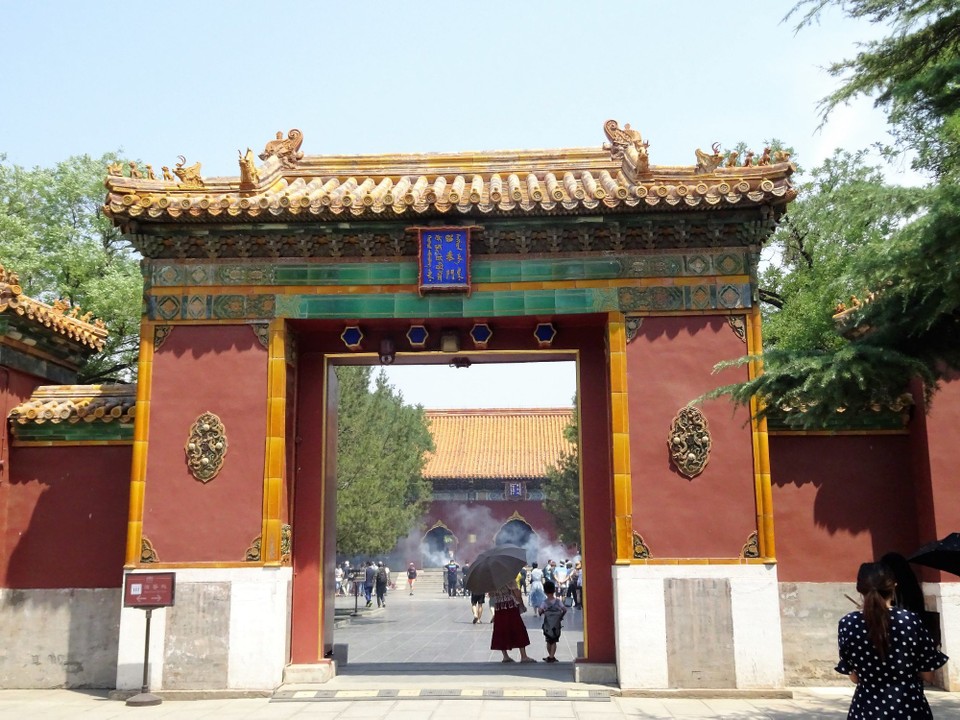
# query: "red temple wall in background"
[[669, 364], [838, 501], [66, 517], [223, 370]]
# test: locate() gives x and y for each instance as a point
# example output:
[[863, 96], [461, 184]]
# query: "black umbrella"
[[495, 568], [940, 554]]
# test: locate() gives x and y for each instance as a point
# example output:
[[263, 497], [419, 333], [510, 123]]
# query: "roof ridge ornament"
[[287, 150], [249, 176], [627, 146], [190, 175], [707, 162]]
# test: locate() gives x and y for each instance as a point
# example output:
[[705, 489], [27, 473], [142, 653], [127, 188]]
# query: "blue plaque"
[[444, 259]]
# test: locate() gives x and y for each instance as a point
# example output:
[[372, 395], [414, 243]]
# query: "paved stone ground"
[[405, 660], [433, 628]]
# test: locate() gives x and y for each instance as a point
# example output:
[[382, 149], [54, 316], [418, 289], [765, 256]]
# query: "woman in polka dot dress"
[[886, 651]]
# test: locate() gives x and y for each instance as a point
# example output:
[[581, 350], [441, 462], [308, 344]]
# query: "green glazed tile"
[[479, 304], [445, 306], [539, 301], [508, 303]]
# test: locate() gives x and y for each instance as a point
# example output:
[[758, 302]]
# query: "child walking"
[[552, 609]]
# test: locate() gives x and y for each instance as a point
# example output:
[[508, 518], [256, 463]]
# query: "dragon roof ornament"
[[61, 317], [627, 146], [287, 150]]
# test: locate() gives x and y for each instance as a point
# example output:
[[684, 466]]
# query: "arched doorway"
[[517, 531], [438, 546]]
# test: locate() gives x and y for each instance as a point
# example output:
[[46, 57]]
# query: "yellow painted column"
[[141, 431], [620, 437], [761, 445], [275, 451]]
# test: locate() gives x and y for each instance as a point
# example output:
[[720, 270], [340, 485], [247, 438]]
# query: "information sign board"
[[149, 590]]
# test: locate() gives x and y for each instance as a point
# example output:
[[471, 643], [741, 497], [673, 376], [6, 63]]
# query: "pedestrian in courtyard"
[[522, 579], [575, 585], [536, 596], [369, 577], [552, 611], [382, 580], [560, 576], [886, 651], [509, 631], [476, 606], [451, 567], [411, 577]]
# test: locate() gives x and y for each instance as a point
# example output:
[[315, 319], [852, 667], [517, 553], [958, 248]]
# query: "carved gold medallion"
[[206, 447], [689, 441]]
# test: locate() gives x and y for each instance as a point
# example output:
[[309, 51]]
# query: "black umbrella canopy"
[[940, 554], [495, 568]]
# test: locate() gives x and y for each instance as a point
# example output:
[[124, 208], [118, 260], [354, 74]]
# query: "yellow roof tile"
[[60, 317], [468, 184], [496, 444]]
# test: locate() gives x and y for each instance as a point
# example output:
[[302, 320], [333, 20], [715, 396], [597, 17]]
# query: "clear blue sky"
[[204, 79]]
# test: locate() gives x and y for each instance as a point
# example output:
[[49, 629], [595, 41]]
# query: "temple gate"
[[257, 286]]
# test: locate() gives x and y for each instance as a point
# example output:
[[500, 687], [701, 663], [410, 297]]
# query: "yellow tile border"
[[761, 445], [275, 443], [620, 438], [141, 431]]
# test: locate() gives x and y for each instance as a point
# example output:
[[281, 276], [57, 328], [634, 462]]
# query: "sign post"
[[148, 591]]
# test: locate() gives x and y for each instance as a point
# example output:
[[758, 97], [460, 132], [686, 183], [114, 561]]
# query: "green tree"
[[381, 442], [894, 248], [562, 487], [54, 235]]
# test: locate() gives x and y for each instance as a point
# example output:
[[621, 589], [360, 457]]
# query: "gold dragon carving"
[[189, 174], [206, 447], [287, 150], [708, 162], [689, 441], [627, 146], [249, 177]]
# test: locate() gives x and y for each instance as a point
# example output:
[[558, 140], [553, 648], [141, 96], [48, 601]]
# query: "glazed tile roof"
[[71, 404], [60, 318], [288, 187], [496, 444]]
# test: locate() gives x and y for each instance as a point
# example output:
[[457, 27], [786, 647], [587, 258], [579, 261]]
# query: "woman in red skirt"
[[508, 629]]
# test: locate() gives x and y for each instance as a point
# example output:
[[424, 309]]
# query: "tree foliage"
[[55, 237], [381, 442], [562, 488], [893, 248]]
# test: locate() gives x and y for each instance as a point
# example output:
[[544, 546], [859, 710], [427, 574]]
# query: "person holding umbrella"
[[509, 632], [495, 571]]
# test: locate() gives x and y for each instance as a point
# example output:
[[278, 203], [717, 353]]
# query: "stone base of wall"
[[809, 613], [697, 626], [59, 638], [228, 630]]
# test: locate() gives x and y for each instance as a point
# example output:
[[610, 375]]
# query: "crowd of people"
[[889, 646]]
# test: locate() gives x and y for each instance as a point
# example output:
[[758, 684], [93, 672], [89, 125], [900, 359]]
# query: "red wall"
[[936, 456], [669, 364], [838, 501], [220, 369], [66, 517], [15, 388]]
